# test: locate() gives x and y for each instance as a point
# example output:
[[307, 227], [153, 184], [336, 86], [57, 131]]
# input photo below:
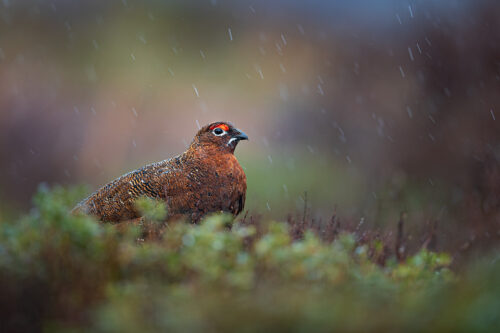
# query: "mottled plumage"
[[206, 178]]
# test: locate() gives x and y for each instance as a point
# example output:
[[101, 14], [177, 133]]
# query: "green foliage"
[[59, 271], [151, 209]]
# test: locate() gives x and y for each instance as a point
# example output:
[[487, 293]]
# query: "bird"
[[206, 178]]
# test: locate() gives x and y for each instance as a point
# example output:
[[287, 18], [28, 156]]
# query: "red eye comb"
[[221, 126]]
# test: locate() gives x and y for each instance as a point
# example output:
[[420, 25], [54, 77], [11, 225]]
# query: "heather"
[[61, 272]]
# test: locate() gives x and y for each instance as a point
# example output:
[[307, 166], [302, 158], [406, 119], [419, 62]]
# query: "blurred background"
[[372, 108]]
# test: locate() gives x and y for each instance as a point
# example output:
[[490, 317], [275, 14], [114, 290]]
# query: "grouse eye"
[[218, 131]]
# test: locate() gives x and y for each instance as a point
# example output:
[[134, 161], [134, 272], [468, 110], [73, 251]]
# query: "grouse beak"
[[239, 135]]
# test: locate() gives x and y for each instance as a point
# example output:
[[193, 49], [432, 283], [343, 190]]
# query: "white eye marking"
[[231, 141], [219, 131]]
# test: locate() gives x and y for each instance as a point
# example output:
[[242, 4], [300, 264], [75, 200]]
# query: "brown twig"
[[305, 208], [400, 246]]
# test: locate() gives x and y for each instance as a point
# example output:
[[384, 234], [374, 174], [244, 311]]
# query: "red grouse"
[[205, 178]]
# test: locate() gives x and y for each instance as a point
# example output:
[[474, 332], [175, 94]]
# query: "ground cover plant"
[[60, 272]]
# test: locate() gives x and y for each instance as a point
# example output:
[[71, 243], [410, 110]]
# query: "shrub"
[[59, 271]]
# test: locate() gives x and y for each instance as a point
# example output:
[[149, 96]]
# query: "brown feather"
[[205, 178]]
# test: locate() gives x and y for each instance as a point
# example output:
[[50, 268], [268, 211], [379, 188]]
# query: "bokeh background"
[[372, 108]]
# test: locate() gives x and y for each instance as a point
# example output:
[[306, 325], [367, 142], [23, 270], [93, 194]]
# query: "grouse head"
[[221, 136]]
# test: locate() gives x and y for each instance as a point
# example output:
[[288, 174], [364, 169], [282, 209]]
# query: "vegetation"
[[60, 272]]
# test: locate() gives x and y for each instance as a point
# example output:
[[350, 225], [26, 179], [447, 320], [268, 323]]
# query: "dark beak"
[[240, 135]]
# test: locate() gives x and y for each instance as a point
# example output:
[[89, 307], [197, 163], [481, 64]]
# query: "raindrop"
[[196, 91], [411, 54], [93, 110], [320, 90], [142, 39], [96, 46], [202, 55], [198, 124], [282, 68], [301, 29], [283, 39], [259, 70], [492, 114], [410, 113], [134, 144], [267, 205], [342, 137], [270, 159], [252, 9], [132, 56], [171, 71], [361, 222], [134, 111], [230, 34], [341, 131], [348, 158], [278, 47], [410, 10], [381, 122], [399, 19], [419, 49], [402, 72]]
